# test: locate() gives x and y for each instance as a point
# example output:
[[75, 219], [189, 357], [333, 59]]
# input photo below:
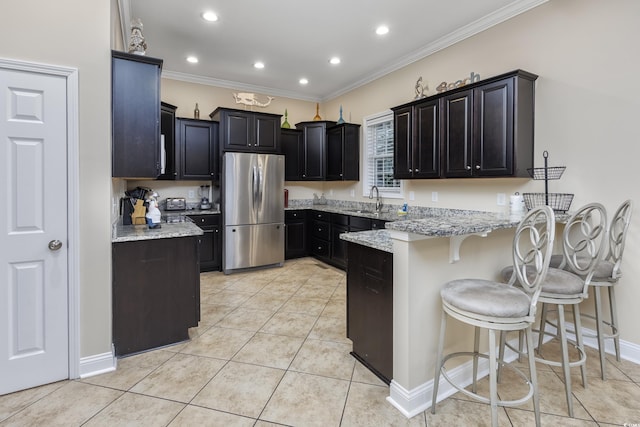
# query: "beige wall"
[[76, 33]]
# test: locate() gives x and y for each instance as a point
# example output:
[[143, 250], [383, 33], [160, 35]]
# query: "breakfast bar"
[[427, 252]]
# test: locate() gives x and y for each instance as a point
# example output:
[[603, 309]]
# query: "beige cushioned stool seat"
[[557, 281], [486, 298]]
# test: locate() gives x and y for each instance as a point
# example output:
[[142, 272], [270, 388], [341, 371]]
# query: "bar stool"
[[606, 275], [583, 243], [497, 307]]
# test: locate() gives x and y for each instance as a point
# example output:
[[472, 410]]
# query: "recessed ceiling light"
[[259, 65], [192, 59], [382, 30], [335, 60], [210, 16], [303, 81]]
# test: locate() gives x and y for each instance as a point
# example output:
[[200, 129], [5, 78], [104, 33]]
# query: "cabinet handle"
[[477, 167], [217, 231], [304, 176], [410, 170], [468, 168], [416, 170], [319, 229], [340, 174], [295, 215]]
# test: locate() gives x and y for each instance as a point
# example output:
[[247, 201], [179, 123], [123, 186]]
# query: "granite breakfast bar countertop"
[[130, 233]]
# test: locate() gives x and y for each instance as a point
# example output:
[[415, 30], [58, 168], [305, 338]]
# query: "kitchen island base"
[[156, 293]]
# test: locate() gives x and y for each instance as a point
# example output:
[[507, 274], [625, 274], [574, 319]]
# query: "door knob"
[[54, 245]]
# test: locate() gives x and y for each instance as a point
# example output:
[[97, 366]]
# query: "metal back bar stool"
[[583, 244], [606, 275], [497, 307]]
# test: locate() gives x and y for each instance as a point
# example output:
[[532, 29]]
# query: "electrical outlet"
[[501, 199], [434, 196], [412, 195], [331, 192], [353, 193], [192, 194]]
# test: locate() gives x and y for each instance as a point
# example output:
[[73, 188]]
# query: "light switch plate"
[[501, 199], [331, 192], [412, 195], [192, 194], [434, 196], [353, 193]]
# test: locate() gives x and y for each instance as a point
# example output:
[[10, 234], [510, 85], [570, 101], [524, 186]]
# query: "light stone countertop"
[[130, 233]]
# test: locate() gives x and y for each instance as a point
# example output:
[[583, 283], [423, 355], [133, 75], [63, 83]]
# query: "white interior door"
[[34, 332]]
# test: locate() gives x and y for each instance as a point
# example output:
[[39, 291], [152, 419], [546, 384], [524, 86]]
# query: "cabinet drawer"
[[205, 220], [319, 247], [320, 229], [322, 216], [358, 223], [295, 215]]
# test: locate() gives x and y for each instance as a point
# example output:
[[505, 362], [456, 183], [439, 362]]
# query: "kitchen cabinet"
[[135, 115], [314, 141], [295, 233], [156, 292], [292, 148], [370, 308], [417, 143], [320, 240], [168, 141], [248, 131], [210, 243], [343, 152], [197, 151], [339, 225], [484, 129]]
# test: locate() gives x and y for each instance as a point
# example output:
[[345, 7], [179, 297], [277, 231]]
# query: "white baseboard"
[[98, 364], [413, 402]]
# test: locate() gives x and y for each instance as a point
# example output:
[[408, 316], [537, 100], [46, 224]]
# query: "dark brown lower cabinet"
[[210, 241], [370, 308], [156, 292]]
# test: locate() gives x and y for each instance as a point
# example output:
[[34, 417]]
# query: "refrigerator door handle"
[[260, 187], [254, 187]]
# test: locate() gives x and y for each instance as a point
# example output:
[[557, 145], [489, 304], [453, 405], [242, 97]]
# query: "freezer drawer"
[[249, 246]]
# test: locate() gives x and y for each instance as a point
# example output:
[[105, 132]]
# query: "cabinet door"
[[314, 141], [370, 308], [426, 140], [198, 150], [493, 129], [291, 146], [211, 249], [135, 103], [335, 153], [295, 239], [267, 134], [351, 152], [402, 150], [338, 246], [237, 130], [456, 134], [169, 145]]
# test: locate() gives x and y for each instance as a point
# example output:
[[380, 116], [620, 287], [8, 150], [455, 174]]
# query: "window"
[[378, 162]]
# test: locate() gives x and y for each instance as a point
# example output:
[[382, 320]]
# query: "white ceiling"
[[296, 38]]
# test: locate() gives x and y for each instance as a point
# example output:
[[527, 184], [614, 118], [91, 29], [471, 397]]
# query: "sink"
[[362, 211]]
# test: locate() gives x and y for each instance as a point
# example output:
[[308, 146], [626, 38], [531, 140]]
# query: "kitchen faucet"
[[378, 201]]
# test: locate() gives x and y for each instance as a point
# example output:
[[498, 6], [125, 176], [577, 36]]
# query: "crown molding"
[[450, 39]]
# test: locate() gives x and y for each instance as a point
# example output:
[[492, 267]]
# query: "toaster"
[[176, 204]]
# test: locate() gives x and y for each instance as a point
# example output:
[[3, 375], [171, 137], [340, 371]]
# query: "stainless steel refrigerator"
[[253, 210]]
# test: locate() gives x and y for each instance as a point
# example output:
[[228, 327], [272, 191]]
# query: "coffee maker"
[[205, 202]]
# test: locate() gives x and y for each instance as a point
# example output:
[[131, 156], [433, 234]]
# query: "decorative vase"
[[196, 112], [317, 117], [137, 45], [340, 120], [286, 124]]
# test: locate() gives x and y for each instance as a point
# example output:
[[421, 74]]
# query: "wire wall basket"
[[559, 202]]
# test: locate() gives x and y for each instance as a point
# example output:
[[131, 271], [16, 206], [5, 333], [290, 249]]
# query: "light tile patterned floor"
[[271, 350]]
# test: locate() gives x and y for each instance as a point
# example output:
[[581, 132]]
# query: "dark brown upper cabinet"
[[484, 129], [135, 115], [198, 149], [343, 152], [247, 130]]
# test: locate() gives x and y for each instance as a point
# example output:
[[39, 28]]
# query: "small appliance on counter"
[[176, 204], [205, 202]]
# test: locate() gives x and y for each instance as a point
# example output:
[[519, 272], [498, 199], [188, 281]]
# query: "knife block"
[[139, 211]]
